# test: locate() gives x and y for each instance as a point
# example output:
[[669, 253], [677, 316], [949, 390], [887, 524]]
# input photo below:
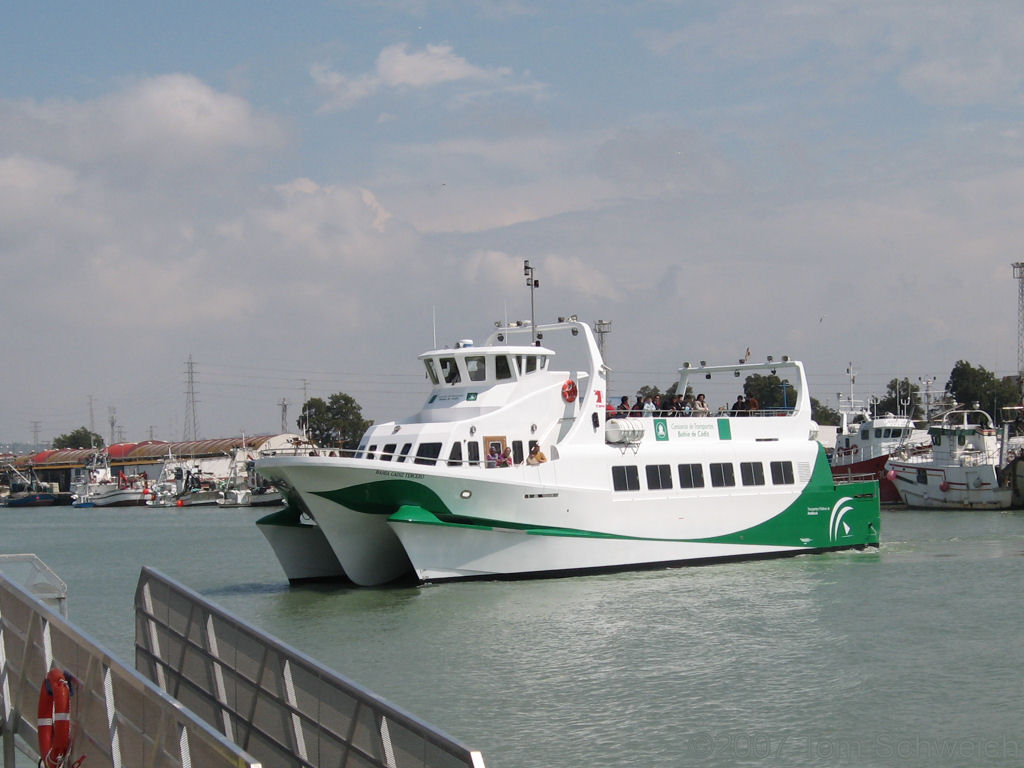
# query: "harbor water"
[[908, 655]]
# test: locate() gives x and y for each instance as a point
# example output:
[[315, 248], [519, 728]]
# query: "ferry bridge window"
[[473, 449], [878, 433], [455, 456], [531, 363], [388, 452], [431, 372], [359, 451], [405, 452], [625, 478], [502, 368], [659, 477], [752, 472], [691, 476], [864, 434], [476, 367], [450, 370], [782, 472], [722, 475], [427, 453]]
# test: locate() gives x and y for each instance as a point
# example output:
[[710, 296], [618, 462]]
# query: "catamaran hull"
[[300, 547], [367, 550], [442, 553]]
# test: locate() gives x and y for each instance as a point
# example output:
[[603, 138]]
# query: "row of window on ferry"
[[626, 477], [428, 453], [446, 369]]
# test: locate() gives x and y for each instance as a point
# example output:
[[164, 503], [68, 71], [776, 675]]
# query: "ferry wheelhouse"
[[419, 495]]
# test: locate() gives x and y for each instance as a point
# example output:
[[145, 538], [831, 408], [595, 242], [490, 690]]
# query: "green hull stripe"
[[816, 519]]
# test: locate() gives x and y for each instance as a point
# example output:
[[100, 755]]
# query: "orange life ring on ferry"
[[569, 391], [854, 450], [943, 486], [53, 719]]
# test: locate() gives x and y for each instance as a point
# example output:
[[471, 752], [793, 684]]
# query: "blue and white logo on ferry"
[[835, 520]]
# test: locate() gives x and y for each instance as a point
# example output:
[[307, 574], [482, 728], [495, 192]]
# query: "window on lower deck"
[[691, 476], [782, 472], [427, 453], [752, 472], [517, 452], [922, 476], [722, 475], [473, 449], [388, 452], [404, 453], [659, 477], [625, 478], [455, 455]]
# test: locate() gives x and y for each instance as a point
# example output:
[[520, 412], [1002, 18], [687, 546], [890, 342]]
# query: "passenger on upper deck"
[[700, 406], [536, 454], [752, 405], [648, 407], [739, 408], [623, 411]]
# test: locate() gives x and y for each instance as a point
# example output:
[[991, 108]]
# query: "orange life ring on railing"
[[943, 486], [854, 450], [569, 391], [53, 719]]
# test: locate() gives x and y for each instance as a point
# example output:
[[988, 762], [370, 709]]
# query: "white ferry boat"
[[962, 469], [421, 495]]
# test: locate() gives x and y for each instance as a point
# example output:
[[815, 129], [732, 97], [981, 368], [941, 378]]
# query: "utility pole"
[[112, 419], [1018, 273], [284, 414]]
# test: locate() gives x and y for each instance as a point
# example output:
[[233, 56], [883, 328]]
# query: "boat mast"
[[531, 284]]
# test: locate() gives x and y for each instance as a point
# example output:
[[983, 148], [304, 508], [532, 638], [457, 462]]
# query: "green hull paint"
[[815, 520]]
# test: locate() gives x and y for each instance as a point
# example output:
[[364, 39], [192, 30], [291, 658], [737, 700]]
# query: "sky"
[[299, 198]]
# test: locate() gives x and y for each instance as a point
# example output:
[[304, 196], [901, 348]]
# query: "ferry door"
[[493, 441]]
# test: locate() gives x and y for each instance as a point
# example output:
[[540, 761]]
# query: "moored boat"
[[865, 442], [962, 469], [610, 494]]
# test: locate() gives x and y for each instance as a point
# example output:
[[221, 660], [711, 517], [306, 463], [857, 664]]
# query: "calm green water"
[[910, 655]]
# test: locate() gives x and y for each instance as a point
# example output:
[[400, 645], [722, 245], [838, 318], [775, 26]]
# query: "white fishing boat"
[[866, 440], [244, 487], [962, 469], [184, 484], [612, 494], [97, 486]]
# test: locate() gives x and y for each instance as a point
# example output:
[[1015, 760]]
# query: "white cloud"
[[399, 68]]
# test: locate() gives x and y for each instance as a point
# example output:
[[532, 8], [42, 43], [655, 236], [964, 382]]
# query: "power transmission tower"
[[191, 431], [35, 433]]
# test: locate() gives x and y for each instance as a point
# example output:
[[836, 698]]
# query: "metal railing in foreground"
[[276, 702], [117, 717], [37, 577]]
